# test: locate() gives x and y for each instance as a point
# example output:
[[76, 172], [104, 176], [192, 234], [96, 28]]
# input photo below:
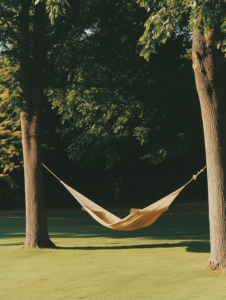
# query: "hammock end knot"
[[194, 177]]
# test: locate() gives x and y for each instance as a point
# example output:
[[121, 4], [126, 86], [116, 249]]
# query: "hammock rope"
[[138, 218], [194, 177]]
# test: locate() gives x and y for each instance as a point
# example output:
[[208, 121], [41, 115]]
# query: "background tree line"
[[107, 113]]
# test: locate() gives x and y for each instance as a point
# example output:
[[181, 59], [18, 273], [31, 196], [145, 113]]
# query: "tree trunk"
[[31, 89], [210, 75]]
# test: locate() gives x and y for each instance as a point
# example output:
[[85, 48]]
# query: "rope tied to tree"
[[194, 177]]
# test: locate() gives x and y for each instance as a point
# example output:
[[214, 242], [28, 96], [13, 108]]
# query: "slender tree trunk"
[[210, 76], [31, 88]]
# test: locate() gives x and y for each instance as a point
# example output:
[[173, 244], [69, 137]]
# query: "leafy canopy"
[[119, 110], [166, 16], [10, 135]]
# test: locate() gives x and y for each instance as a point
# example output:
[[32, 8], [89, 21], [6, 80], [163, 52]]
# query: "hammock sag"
[[138, 218]]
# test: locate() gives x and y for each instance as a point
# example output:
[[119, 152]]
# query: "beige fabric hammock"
[[138, 218]]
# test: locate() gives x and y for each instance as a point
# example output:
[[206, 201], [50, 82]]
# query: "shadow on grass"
[[13, 244], [198, 247], [191, 229]]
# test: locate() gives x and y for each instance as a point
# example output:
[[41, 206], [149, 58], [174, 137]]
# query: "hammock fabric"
[[138, 218]]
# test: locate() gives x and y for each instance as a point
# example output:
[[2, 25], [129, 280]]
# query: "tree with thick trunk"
[[31, 91], [28, 28], [210, 75], [208, 22]]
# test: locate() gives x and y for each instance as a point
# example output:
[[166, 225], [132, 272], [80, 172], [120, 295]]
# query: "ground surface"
[[165, 261]]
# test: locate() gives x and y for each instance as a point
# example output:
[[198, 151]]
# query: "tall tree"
[[26, 36], [207, 22], [23, 39], [31, 91]]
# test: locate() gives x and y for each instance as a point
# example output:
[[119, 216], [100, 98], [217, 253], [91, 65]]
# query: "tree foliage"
[[117, 109], [10, 137], [167, 16]]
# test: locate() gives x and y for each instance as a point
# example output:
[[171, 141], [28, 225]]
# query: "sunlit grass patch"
[[163, 261]]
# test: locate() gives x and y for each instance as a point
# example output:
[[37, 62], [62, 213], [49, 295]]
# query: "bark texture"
[[31, 89], [210, 76]]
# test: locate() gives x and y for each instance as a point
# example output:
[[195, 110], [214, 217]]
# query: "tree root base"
[[216, 267], [37, 244]]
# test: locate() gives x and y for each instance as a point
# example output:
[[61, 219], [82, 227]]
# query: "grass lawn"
[[163, 261]]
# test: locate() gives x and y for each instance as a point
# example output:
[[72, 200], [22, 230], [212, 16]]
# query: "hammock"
[[138, 218]]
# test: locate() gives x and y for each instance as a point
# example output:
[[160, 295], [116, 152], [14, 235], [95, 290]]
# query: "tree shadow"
[[190, 228], [194, 246], [13, 244]]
